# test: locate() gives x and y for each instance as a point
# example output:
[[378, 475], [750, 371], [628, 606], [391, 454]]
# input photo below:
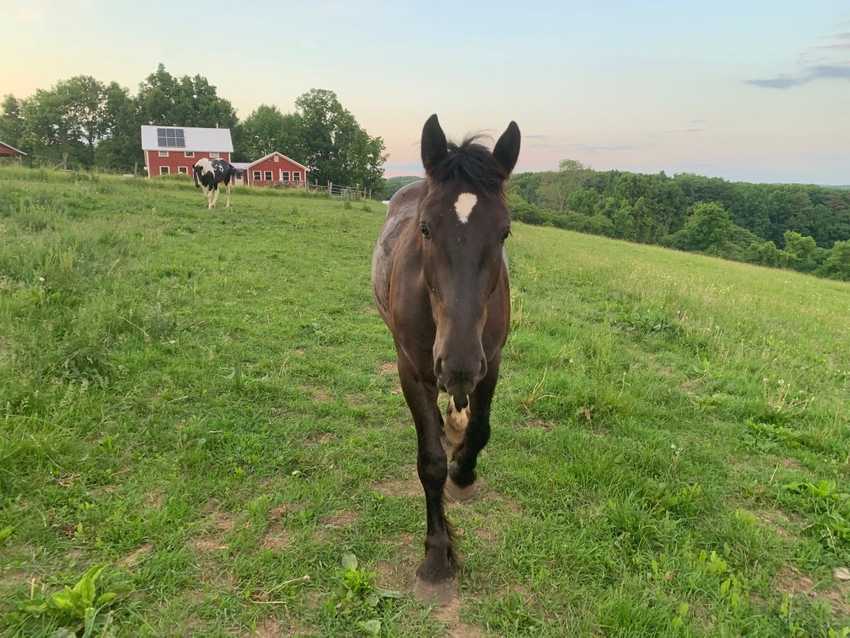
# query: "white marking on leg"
[[228, 195], [464, 205], [456, 423], [215, 197]]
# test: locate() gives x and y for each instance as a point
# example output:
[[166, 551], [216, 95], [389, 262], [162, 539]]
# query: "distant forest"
[[801, 227]]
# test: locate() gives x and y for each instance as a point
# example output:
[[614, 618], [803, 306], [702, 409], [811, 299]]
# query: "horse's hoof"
[[460, 494], [435, 593]]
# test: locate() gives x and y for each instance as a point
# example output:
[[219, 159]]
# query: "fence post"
[[330, 188]]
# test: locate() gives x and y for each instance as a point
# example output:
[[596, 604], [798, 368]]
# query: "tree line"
[[84, 123], [801, 227]]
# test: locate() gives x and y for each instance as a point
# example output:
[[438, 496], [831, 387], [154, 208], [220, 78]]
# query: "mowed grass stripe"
[[205, 402]]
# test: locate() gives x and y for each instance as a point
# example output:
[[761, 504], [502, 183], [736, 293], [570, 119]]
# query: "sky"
[[746, 90]]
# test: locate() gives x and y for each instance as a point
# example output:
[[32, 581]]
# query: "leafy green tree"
[[187, 101], [266, 130], [119, 149], [837, 264], [336, 147], [49, 132], [803, 249], [624, 222], [708, 225], [11, 122], [556, 188]]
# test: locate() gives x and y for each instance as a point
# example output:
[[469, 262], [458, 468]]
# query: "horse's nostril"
[[483, 366], [438, 366]]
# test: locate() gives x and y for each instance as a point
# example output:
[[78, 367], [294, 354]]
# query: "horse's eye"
[[425, 230]]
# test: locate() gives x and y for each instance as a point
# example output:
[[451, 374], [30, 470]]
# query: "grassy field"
[[205, 403]]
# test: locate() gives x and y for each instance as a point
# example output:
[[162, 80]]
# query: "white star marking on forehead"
[[464, 205]]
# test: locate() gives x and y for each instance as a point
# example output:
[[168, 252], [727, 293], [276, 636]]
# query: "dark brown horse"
[[441, 286]]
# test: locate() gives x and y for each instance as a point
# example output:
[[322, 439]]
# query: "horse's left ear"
[[506, 150]]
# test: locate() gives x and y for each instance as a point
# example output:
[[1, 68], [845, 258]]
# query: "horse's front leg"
[[421, 397], [465, 456]]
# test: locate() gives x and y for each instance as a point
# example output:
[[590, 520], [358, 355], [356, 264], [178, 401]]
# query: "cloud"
[[817, 62], [600, 148], [810, 74]]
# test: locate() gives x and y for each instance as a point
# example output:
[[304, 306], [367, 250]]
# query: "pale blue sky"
[[745, 90]]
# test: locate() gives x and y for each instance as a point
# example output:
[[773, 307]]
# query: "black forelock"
[[471, 163]]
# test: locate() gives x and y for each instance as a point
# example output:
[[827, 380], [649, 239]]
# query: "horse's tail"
[[195, 175]]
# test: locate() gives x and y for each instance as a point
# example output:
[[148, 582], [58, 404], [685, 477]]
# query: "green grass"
[[202, 402]]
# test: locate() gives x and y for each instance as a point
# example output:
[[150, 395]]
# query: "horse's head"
[[463, 223]]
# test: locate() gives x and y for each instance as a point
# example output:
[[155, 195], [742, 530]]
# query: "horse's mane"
[[472, 163]]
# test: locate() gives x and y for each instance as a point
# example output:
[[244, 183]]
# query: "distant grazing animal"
[[440, 282], [209, 173]]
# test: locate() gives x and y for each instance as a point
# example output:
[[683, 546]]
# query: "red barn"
[[275, 169], [173, 150], [10, 151]]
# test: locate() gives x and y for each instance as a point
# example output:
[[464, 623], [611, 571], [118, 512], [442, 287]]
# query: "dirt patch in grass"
[[276, 536], [792, 581], [319, 438], [388, 368], [136, 556], [449, 615], [338, 520], [791, 464], [777, 521], [398, 572], [540, 424], [154, 499], [218, 524], [319, 395], [409, 487], [268, 628]]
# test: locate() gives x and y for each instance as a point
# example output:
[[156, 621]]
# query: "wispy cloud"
[[810, 74], [816, 65], [601, 148]]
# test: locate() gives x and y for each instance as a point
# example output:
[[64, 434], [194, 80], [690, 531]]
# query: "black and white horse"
[[209, 173]]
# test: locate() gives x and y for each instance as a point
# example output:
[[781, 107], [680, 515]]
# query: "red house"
[[173, 150], [274, 169], [7, 150]]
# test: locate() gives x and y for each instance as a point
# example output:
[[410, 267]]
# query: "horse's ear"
[[506, 150], [434, 144]]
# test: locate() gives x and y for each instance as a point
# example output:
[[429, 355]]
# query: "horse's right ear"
[[434, 144]]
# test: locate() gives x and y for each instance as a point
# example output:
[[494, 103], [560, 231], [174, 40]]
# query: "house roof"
[[240, 166], [9, 146], [216, 140], [272, 154]]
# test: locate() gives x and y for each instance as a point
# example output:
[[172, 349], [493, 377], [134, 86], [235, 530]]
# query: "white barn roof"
[[216, 140]]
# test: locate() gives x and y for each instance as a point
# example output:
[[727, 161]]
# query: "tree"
[[266, 130], [837, 264], [803, 250], [11, 123], [188, 101], [48, 130], [556, 188], [119, 149], [709, 225], [335, 147]]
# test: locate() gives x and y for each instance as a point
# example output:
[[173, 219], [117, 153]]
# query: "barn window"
[[171, 137], [189, 154], [214, 155], [296, 176], [183, 170], [163, 153], [268, 176], [284, 176], [258, 176], [276, 158], [163, 170]]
